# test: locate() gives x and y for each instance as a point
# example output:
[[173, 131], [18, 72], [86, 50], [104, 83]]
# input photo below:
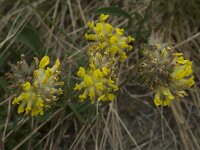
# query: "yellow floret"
[[44, 61], [26, 86], [81, 72], [103, 17]]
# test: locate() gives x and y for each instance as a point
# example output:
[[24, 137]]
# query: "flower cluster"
[[109, 39], [109, 45], [42, 91], [97, 84], [166, 72]]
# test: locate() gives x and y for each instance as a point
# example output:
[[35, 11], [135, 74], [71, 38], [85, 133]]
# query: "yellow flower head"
[[96, 84], [109, 39], [166, 72], [43, 90]]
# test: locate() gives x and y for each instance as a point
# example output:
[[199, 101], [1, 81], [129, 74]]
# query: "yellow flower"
[[105, 70], [180, 78], [111, 97], [37, 96], [82, 97], [108, 39], [163, 96], [109, 46], [29, 102], [103, 17], [91, 24], [88, 80], [81, 72], [97, 84], [26, 86], [120, 31], [190, 82], [44, 62], [166, 72]]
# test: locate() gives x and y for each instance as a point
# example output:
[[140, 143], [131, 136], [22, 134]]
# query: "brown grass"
[[130, 122]]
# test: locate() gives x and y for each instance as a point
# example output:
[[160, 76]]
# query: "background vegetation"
[[56, 28]]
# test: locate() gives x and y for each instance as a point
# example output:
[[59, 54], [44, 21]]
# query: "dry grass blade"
[[35, 130]]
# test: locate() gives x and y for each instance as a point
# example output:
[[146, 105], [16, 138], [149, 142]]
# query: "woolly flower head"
[[97, 84], [20, 72], [42, 91], [109, 39], [166, 72]]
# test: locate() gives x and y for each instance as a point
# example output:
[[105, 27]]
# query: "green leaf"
[[4, 84], [75, 108], [30, 37], [84, 106], [114, 11], [2, 61], [92, 113]]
